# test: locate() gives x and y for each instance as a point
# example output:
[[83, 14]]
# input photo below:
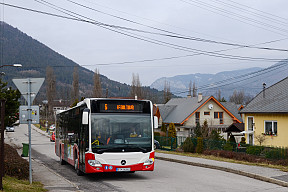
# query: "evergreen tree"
[[197, 130], [205, 129], [172, 130], [11, 105]]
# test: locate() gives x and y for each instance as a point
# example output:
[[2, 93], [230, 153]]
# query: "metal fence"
[[171, 144]]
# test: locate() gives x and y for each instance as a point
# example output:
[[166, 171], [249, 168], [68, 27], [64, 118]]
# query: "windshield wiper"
[[136, 146], [122, 146]]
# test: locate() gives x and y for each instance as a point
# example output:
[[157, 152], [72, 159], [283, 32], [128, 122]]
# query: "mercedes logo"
[[123, 162]]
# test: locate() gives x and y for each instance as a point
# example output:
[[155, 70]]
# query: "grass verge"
[[11, 184], [282, 168], [38, 126]]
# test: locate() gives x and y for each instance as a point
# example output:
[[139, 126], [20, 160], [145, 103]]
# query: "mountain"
[[34, 56], [248, 80]]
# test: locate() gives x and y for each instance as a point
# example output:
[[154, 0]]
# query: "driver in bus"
[[134, 133]]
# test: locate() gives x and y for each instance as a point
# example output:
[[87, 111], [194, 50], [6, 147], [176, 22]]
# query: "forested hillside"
[[17, 47]]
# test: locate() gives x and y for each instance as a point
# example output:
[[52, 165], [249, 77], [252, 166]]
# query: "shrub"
[[188, 145], [228, 147], [157, 134], [274, 153], [254, 150], [243, 141], [200, 146], [14, 165]]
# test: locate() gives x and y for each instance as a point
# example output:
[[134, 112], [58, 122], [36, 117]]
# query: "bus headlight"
[[149, 161], [94, 163]]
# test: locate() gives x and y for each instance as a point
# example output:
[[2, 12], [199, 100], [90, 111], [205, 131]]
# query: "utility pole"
[[2, 143]]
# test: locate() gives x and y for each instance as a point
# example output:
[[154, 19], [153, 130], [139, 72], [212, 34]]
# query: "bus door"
[[83, 143]]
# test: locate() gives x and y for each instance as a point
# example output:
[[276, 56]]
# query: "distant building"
[[267, 114], [185, 113]]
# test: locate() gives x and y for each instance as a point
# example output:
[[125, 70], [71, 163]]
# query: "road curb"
[[254, 176], [40, 163]]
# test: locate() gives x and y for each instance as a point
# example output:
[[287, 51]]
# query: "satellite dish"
[[210, 106]]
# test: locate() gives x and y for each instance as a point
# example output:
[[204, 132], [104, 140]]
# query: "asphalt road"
[[168, 176]]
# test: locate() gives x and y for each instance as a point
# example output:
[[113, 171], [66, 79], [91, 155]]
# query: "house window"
[[197, 117], [270, 127], [219, 115], [250, 123], [207, 113]]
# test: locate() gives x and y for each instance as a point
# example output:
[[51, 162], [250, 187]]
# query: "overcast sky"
[[245, 22]]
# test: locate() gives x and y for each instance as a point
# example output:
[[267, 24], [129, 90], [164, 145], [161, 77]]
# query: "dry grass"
[[282, 168], [11, 184]]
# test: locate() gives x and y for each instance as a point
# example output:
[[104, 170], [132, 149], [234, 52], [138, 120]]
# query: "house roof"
[[273, 99], [235, 127], [233, 108], [178, 110], [165, 109]]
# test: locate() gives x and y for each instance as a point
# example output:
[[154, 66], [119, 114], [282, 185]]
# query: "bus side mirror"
[[85, 117], [155, 122]]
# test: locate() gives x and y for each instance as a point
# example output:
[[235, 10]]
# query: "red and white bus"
[[107, 135]]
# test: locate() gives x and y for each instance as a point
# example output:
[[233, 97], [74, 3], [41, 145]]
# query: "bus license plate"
[[122, 169]]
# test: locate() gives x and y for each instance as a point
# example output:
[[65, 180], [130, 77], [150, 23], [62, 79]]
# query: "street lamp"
[[12, 65]]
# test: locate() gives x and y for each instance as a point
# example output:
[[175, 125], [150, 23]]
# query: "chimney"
[[199, 97], [264, 86]]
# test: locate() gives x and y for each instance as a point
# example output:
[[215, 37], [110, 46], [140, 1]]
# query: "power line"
[[142, 31], [237, 17], [158, 42], [252, 11], [177, 35], [239, 78], [150, 40]]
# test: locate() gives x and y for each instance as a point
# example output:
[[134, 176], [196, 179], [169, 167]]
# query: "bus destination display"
[[116, 107]]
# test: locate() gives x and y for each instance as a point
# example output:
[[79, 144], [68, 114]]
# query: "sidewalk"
[[270, 175], [51, 180]]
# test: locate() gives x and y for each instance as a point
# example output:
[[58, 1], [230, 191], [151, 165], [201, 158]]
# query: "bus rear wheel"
[[78, 172], [62, 162]]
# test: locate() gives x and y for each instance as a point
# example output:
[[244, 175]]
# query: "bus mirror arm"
[[155, 122], [85, 116]]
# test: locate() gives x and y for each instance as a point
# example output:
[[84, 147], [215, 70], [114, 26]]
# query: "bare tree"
[[260, 138], [239, 97], [194, 90], [218, 95], [136, 88], [97, 91], [75, 86], [167, 93], [50, 88], [190, 89]]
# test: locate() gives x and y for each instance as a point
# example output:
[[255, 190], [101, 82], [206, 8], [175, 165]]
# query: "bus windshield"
[[121, 133]]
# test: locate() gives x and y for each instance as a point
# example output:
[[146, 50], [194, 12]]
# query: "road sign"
[[29, 88], [22, 85], [23, 114]]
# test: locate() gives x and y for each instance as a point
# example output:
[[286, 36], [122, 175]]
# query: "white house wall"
[[227, 119]]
